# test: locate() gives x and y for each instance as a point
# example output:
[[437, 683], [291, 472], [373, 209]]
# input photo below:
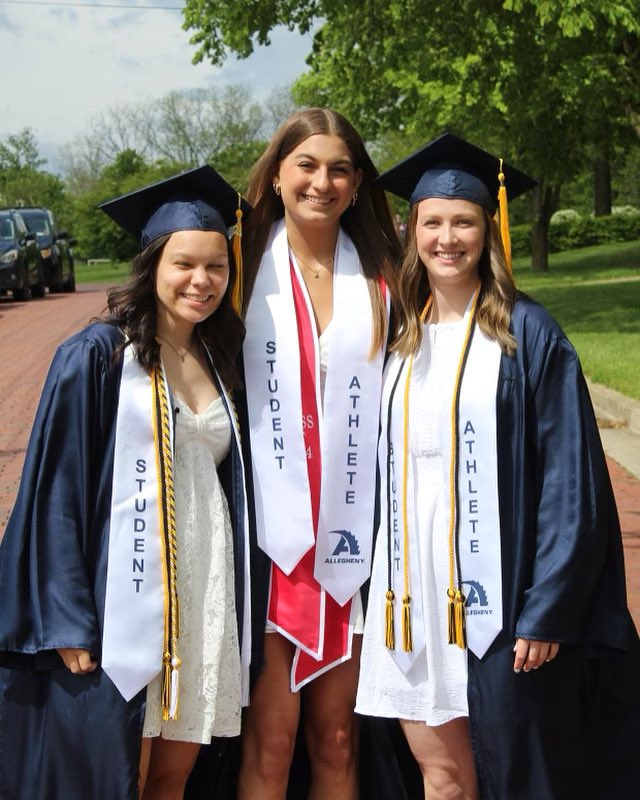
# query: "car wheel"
[[24, 292], [70, 284], [58, 285], [39, 289]]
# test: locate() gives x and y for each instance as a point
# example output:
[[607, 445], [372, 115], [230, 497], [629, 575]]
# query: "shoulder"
[[101, 336], [530, 318], [539, 337], [91, 349]]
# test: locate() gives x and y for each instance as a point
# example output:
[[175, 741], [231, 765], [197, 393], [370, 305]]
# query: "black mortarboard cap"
[[452, 167], [199, 199]]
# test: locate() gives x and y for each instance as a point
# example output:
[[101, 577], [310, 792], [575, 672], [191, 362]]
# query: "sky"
[[62, 65]]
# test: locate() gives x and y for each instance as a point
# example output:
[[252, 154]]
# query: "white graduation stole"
[[348, 422], [132, 640], [479, 532]]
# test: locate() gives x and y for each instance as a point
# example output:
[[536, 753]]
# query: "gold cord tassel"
[[504, 218], [460, 626], [389, 635], [237, 295], [407, 638], [166, 685], [451, 617]]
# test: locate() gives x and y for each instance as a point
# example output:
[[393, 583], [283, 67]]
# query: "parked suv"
[[21, 268], [55, 249]]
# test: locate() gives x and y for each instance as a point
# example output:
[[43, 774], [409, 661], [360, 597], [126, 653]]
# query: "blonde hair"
[[497, 293], [368, 222]]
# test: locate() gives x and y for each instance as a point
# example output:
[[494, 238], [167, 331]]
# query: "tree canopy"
[[552, 86]]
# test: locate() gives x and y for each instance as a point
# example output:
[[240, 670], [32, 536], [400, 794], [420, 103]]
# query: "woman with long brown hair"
[[122, 602], [320, 250], [497, 629]]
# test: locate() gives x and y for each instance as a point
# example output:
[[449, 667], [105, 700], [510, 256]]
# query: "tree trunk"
[[602, 188], [545, 202]]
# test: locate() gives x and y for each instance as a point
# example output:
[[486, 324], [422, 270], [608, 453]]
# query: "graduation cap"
[[451, 167], [199, 199]]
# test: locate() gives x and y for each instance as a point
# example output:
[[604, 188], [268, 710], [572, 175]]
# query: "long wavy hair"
[[132, 306], [368, 223], [497, 292]]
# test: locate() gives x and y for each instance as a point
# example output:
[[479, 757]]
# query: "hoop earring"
[[276, 189], [354, 199]]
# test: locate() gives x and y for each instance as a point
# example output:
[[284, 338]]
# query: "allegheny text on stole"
[[139, 526], [274, 405]]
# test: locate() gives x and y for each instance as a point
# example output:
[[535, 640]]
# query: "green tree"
[[548, 85]]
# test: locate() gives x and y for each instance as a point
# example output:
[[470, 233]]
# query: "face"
[[191, 278], [450, 237], [318, 180]]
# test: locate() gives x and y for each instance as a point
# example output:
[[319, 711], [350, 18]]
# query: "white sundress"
[[210, 698], [435, 688]]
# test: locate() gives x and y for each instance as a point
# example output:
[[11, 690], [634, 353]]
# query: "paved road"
[[29, 335]]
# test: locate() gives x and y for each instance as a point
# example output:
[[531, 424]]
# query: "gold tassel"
[[451, 619], [504, 218], [389, 635], [407, 638], [460, 622], [237, 295], [166, 684]]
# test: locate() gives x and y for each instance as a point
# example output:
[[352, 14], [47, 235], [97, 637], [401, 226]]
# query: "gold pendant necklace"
[[314, 272], [180, 355]]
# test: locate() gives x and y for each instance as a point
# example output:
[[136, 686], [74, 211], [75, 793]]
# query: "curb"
[[618, 418]]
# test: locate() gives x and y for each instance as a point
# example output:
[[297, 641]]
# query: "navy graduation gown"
[[65, 735], [570, 729]]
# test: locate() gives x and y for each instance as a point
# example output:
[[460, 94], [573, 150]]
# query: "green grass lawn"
[[102, 273], [594, 293]]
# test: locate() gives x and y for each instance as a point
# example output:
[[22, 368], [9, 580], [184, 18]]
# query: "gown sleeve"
[[51, 551], [577, 574]]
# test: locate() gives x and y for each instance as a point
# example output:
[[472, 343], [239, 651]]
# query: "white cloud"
[[69, 64]]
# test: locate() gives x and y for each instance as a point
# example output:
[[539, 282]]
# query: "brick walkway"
[[29, 335]]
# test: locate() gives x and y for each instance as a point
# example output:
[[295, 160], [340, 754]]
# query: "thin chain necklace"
[[314, 272], [180, 355]]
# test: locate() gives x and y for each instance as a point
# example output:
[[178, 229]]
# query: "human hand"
[[77, 660], [531, 654]]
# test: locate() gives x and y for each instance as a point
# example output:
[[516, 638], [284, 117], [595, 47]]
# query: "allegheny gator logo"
[[347, 545], [476, 596]]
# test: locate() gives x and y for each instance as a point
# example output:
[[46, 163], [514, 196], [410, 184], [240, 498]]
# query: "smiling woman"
[[319, 250], [122, 508]]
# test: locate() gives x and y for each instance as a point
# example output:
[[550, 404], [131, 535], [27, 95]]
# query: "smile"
[[317, 201], [197, 298], [448, 256]]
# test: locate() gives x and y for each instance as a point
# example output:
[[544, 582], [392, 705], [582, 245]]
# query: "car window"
[[38, 225], [6, 228]]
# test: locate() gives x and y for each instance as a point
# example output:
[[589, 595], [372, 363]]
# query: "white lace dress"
[[435, 688], [208, 645]]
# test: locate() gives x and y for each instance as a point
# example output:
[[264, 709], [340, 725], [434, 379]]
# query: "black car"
[[55, 249], [21, 268]]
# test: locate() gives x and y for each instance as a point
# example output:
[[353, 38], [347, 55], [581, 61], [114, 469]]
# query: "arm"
[[46, 559], [572, 497]]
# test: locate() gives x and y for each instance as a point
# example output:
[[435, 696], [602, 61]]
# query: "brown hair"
[[133, 308], [368, 222], [497, 293]]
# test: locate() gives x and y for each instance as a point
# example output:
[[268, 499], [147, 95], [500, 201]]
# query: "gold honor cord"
[[407, 637], [170, 661], [456, 604]]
